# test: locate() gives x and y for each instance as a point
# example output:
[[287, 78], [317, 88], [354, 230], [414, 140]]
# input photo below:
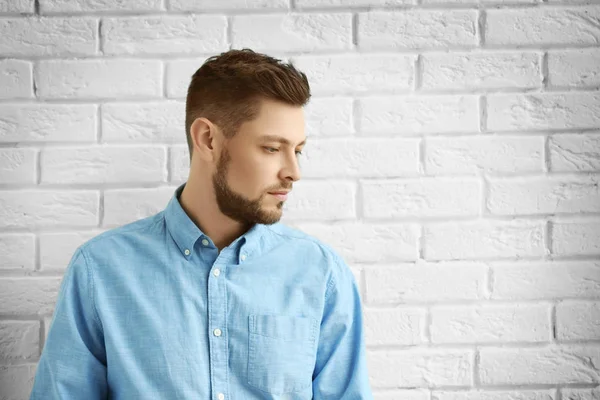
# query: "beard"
[[235, 205]]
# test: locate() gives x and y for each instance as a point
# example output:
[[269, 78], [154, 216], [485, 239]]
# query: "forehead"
[[276, 122]]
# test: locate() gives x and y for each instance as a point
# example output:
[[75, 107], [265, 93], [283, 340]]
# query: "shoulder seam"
[[308, 238], [91, 289], [109, 234]]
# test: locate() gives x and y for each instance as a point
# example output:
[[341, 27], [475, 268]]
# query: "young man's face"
[[253, 165]]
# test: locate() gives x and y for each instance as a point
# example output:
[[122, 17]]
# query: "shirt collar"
[[186, 233]]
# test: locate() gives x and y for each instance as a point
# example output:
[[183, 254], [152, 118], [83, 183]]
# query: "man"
[[213, 298]]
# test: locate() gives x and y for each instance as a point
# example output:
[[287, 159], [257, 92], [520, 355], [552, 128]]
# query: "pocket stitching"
[[252, 356]]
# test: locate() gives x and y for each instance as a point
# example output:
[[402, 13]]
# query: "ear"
[[203, 135]]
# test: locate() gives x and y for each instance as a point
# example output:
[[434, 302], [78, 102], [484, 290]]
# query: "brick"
[[16, 79], [107, 164], [543, 195], [162, 122], [418, 115], [539, 366], [490, 324], [575, 152], [28, 296], [545, 280], [99, 79], [17, 251], [179, 75], [543, 111], [326, 200], [19, 341], [580, 394], [57, 249], [351, 3], [17, 7], [164, 35], [578, 320], [574, 68], [484, 153], [47, 323], [206, 5], [48, 36], [329, 116], [421, 197], [46, 208], [47, 123], [486, 70], [347, 74], [360, 157], [293, 32], [394, 326], [417, 29], [356, 272], [479, 394], [179, 164], [406, 394], [461, 2], [425, 282], [17, 165], [484, 240], [368, 242], [576, 238], [16, 381], [69, 6], [123, 206], [543, 26], [420, 368]]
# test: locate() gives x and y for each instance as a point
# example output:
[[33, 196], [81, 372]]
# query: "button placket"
[[217, 309]]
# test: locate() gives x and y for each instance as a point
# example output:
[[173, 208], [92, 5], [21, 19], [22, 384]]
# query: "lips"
[[280, 195]]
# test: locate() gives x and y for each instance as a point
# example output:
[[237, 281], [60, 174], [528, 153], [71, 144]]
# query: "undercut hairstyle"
[[228, 88]]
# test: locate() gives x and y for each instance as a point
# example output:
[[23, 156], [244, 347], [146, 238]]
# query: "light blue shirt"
[[152, 310]]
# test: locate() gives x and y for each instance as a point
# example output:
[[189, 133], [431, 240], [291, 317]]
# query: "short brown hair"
[[228, 87]]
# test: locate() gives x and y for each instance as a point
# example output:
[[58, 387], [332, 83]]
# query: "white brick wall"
[[454, 163]]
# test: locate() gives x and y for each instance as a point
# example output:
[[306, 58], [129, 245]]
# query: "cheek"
[[249, 181]]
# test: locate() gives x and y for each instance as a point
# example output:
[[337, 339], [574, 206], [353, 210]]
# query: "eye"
[[271, 148], [298, 153]]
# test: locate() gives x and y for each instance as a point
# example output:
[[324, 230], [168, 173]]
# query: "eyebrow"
[[280, 139]]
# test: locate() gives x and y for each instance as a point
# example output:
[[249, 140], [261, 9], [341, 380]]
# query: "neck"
[[199, 203]]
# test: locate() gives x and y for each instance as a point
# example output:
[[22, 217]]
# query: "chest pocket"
[[281, 353]]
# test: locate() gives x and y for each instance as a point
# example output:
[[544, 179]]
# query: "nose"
[[292, 170]]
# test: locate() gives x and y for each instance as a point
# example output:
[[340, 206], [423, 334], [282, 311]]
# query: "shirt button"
[[221, 396], [217, 332], [205, 242], [187, 252], [243, 257], [217, 272]]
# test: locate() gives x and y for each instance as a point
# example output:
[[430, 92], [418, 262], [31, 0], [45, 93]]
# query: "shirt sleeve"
[[73, 360], [341, 366]]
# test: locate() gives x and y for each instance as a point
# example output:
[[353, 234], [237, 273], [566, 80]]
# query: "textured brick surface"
[[487, 70], [539, 26], [453, 161], [412, 114], [79, 79], [293, 32], [48, 36], [69, 6], [16, 79], [417, 29], [164, 35]]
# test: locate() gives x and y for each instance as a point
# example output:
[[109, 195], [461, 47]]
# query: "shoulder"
[[127, 235], [333, 261]]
